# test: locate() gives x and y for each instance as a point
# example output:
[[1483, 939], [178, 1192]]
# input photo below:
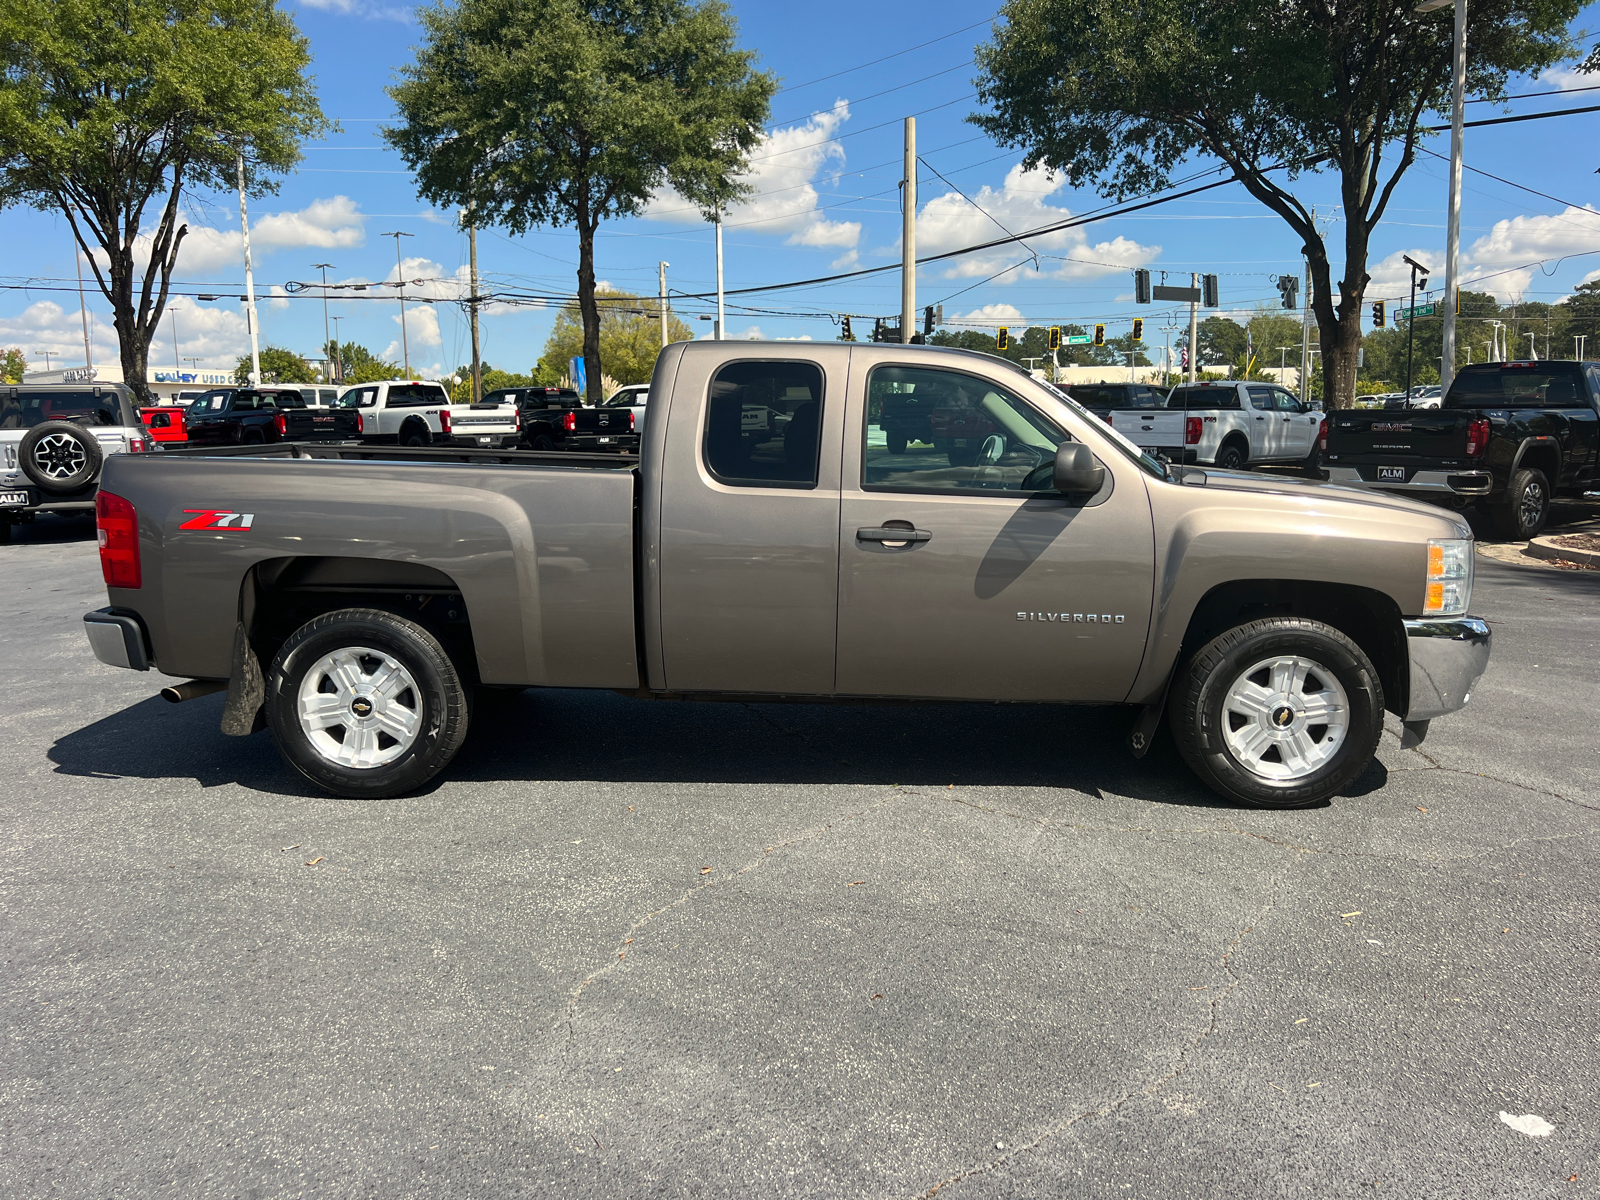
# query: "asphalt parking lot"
[[631, 949]]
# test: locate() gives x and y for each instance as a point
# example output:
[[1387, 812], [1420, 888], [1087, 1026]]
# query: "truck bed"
[[538, 547]]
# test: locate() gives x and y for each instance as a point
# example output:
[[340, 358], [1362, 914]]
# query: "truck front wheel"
[[1278, 713], [366, 704]]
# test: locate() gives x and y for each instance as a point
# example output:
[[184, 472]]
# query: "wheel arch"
[[414, 424], [1540, 454], [1367, 617]]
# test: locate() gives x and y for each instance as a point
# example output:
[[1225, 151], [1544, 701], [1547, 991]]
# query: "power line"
[[795, 87]]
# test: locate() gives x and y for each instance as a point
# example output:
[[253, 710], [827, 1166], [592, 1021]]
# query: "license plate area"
[[1391, 474], [13, 499]]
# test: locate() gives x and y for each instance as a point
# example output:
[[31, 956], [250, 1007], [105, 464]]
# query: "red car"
[[165, 423]]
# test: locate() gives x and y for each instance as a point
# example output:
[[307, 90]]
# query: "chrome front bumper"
[[1422, 483], [1448, 657]]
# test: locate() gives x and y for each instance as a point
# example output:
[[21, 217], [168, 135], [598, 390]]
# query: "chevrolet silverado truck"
[[419, 413], [351, 600], [1507, 437], [54, 440], [1229, 425]]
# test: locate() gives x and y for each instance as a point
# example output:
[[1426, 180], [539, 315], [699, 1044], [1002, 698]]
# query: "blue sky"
[[827, 201]]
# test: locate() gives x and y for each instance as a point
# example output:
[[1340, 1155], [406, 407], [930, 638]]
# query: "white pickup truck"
[[413, 412], [1228, 425]]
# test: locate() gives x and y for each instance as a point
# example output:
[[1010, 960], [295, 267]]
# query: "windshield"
[[1512, 385], [1094, 396]]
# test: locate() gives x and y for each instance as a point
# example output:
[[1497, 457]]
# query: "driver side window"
[[944, 431]]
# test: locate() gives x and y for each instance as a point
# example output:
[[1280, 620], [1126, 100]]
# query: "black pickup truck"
[[555, 418], [255, 416], [1507, 437]]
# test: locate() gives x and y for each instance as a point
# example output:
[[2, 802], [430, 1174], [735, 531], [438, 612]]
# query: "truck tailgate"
[[1155, 428], [542, 555], [1404, 437]]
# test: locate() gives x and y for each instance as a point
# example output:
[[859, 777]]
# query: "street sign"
[[1190, 295], [1421, 310], [1077, 339]]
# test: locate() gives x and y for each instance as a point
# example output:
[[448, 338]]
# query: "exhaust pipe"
[[179, 692]]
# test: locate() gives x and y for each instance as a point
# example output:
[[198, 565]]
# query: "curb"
[[1545, 547]]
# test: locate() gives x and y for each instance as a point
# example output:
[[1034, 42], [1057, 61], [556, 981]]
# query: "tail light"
[[631, 425], [1477, 437], [1106, 417], [117, 523], [282, 422], [138, 445], [361, 423], [517, 417], [1322, 436], [570, 422], [444, 420], [1191, 430]]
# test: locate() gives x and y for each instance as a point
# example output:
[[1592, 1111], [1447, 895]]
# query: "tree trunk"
[[587, 307]]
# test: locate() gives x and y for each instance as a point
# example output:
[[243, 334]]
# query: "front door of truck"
[[749, 523], [999, 588], [1269, 435]]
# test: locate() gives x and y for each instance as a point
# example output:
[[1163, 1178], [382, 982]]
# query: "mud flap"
[[243, 713], [1144, 729]]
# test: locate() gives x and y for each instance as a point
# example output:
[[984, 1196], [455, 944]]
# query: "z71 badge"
[[217, 518]]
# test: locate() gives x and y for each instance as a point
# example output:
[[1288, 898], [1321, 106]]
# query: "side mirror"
[[1076, 473]]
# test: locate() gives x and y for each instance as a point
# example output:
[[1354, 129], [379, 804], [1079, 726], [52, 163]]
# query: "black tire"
[[252, 437], [1232, 457], [543, 441], [60, 457], [439, 703], [1312, 463], [1198, 717], [897, 443], [415, 434], [5, 531], [1521, 512]]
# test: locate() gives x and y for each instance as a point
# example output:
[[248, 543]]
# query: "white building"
[[167, 385]]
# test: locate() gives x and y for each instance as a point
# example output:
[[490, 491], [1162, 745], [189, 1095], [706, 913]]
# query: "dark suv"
[[54, 437], [1102, 398]]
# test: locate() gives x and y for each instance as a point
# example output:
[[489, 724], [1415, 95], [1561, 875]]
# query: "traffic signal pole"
[[908, 234], [1194, 326]]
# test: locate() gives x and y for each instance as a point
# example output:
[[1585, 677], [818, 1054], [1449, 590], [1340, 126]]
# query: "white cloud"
[[783, 172], [1497, 262], [803, 337], [1566, 79], [279, 298], [216, 336], [335, 223], [421, 329], [360, 8], [949, 222], [993, 315]]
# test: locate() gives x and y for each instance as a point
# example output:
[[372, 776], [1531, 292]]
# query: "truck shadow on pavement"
[[559, 735]]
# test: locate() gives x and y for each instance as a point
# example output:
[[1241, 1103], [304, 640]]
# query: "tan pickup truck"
[[772, 542]]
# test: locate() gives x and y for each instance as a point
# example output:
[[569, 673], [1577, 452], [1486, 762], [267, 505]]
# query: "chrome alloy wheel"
[[60, 455], [1531, 505], [360, 708], [1285, 718]]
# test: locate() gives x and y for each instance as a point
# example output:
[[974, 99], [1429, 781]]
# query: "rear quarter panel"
[[543, 556]]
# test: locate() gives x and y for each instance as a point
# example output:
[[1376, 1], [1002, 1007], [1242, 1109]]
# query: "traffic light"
[[844, 330], [1141, 286], [1055, 337], [1377, 314], [1138, 329], [877, 329], [1208, 290], [1099, 335], [927, 322], [1002, 339], [1288, 289]]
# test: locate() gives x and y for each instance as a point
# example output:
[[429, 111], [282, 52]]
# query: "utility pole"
[[472, 311], [721, 315], [1452, 247], [249, 283], [661, 267], [1305, 331], [327, 349], [176, 361], [400, 282], [83, 312], [1194, 325], [908, 234]]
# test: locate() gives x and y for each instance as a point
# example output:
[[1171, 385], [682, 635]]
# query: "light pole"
[[400, 282], [662, 268], [1283, 355], [1452, 247], [249, 284], [323, 267], [46, 354], [338, 359], [1411, 318]]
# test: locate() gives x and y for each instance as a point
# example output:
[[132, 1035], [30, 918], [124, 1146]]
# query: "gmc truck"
[[351, 600], [1507, 437]]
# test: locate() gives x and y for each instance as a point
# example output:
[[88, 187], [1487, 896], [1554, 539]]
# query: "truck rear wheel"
[[1231, 457], [366, 704], [1521, 512], [1279, 713]]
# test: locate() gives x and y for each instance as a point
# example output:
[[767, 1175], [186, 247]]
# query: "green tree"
[[1121, 95], [627, 342], [277, 366], [558, 112], [359, 364], [1582, 310], [1221, 341], [12, 364], [105, 108], [493, 380]]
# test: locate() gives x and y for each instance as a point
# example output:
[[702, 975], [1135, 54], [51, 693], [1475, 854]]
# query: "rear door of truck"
[[1389, 445], [1151, 429]]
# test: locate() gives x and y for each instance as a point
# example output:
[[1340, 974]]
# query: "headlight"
[[1449, 577]]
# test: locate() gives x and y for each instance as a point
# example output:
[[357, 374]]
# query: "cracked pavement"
[[635, 949]]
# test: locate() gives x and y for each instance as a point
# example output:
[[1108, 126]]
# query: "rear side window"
[[22, 408], [416, 395], [763, 424], [1203, 397], [1099, 397], [285, 399], [1536, 385], [327, 395]]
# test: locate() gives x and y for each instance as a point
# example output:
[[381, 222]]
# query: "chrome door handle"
[[881, 534]]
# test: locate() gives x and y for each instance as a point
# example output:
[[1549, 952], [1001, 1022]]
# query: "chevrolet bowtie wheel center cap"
[[361, 706], [1283, 716]]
